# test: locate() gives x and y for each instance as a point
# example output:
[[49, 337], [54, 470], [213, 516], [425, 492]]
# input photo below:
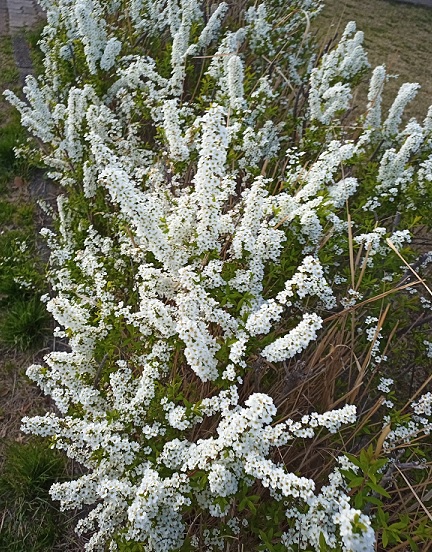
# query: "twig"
[[99, 370]]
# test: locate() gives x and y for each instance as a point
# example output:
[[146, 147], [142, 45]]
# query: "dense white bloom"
[[330, 91], [295, 341], [235, 82], [178, 149], [112, 50], [342, 190], [91, 27], [406, 94], [376, 85], [260, 28], [208, 34]]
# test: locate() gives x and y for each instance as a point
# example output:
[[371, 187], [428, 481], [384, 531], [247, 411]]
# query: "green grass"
[[11, 131], [19, 261], [30, 521], [8, 79], [9, 72], [10, 135], [37, 57], [25, 324]]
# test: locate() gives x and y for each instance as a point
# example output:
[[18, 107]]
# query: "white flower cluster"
[[329, 514], [406, 94], [330, 90], [419, 424], [395, 173], [374, 336], [385, 385], [376, 87]]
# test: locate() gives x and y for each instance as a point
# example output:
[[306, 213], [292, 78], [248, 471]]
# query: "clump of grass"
[[25, 324], [30, 521], [6, 212], [10, 135], [30, 470]]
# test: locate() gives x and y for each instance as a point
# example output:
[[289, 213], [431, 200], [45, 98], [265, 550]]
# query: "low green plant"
[[9, 137], [25, 324], [30, 522], [20, 267], [7, 210]]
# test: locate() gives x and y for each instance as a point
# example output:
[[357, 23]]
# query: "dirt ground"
[[397, 35]]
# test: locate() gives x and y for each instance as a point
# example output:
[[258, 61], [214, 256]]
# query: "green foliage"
[[25, 324], [370, 495], [9, 137], [30, 521]]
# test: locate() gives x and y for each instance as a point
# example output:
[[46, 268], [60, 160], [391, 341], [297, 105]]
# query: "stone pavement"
[[15, 17], [23, 14], [427, 3], [4, 18]]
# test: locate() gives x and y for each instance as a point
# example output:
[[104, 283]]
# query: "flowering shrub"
[[223, 216]]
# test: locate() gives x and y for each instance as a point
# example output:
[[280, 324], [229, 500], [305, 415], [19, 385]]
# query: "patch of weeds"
[[10, 135], [20, 274], [7, 211], [24, 215], [9, 74], [16, 215], [25, 324], [30, 521]]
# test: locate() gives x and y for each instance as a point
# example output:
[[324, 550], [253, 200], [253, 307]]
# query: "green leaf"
[[413, 544], [378, 489], [374, 500], [382, 517], [242, 504], [353, 459], [397, 525], [359, 501], [356, 481], [251, 507], [322, 543]]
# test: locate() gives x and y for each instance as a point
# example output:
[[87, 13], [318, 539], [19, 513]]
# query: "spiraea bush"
[[234, 271]]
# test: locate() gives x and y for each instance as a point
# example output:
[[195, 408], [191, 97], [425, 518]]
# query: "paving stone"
[[22, 14], [16, 15], [4, 18]]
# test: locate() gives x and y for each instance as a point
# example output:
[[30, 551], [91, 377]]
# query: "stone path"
[[23, 14], [427, 3], [15, 17]]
